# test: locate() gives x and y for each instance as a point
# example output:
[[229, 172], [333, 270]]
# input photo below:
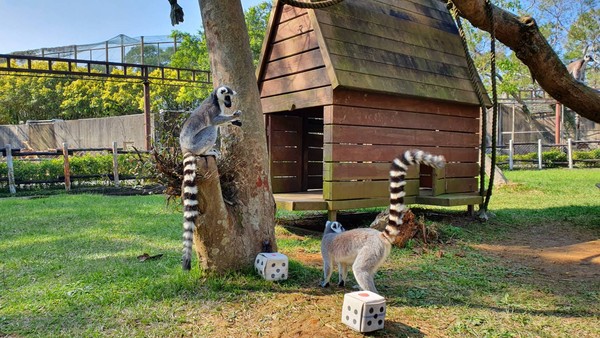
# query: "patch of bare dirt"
[[553, 250]]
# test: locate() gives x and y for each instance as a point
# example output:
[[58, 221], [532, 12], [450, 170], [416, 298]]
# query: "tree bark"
[[521, 34], [229, 235]]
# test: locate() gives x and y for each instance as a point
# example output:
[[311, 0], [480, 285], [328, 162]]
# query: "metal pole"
[[511, 153], [570, 152], [106, 52], [539, 153], [557, 111], [500, 122], [147, 114], [66, 167], [11, 170], [512, 134], [142, 51], [115, 164]]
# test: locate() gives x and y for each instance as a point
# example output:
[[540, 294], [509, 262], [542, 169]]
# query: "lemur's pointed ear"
[[328, 223]]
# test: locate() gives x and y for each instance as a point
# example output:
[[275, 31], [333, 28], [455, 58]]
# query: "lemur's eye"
[[223, 90]]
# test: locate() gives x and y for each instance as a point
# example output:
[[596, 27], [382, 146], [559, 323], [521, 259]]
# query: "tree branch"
[[522, 35]]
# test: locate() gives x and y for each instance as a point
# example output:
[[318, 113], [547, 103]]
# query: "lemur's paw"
[[237, 113], [324, 284], [341, 284], [237, 123]]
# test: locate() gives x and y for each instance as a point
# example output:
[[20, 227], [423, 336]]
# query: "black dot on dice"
[[380, 322], [369, 323], [278, 270], [347, 317], [371, 310], [273, 265], [381, 309], [349, 309], [272, 275], [355, 311], [375, 316], [353, 321]]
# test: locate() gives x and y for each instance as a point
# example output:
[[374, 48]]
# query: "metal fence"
[[536, 155]]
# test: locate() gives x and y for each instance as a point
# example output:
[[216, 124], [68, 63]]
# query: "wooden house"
[[347, 88]]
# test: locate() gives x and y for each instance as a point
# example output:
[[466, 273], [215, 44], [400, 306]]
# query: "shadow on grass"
[[84, 273]]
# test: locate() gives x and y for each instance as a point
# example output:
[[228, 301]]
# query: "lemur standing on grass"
[[197, 138], [366, 248]]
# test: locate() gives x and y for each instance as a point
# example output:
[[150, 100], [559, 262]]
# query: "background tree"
[[257, 18], [521, 34]]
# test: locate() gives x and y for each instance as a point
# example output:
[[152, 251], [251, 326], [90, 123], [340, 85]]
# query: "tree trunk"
[[522, 35], [229, 235]]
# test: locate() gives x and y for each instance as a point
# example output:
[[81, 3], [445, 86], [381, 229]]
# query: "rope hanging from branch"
[[314, 4], [490, 14], [474, 79]]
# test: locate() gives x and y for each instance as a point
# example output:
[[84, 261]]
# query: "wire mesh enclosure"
[[147, 50]]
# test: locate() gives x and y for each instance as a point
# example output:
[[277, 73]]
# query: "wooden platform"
[[313, 200], [306, 200]]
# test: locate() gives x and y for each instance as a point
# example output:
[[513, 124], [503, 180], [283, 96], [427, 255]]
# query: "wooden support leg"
[[471, 210], [332, 215]]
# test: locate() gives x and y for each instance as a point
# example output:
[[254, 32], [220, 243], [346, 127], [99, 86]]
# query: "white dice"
[[272, 265], [363, 311]]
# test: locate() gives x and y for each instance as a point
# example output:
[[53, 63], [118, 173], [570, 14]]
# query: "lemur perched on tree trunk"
[[197, 138]]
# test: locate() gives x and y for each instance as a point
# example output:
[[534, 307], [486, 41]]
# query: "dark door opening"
[[295, 142]]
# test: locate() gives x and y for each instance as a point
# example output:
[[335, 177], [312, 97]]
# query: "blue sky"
[[31, 24]]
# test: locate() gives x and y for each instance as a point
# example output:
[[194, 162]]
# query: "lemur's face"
[[224, 95]]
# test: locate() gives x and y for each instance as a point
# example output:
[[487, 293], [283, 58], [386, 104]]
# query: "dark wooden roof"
[[399, 47]]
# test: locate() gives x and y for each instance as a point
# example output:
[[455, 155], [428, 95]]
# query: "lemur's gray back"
[[199, 119]]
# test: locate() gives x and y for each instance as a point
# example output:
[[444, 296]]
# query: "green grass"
[[68, 268], [553, 195]]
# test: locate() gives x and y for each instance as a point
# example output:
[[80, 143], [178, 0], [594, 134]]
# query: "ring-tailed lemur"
[[198, 137], [365, 248], [577, 67], [332, 229]]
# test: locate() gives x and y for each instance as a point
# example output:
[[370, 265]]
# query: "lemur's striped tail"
[[397, 183], [190, 207]]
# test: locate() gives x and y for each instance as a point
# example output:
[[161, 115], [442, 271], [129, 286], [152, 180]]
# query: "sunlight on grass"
[[69, 267]]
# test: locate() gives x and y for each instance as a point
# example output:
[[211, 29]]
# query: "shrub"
[[100, 166], [552, 157]]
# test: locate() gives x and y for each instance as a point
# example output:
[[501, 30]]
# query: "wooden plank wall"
[[364, 132], [293, 72]]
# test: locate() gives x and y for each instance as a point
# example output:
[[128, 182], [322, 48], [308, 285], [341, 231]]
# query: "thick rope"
[[474, 79], [314, 4], [490, 14]]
